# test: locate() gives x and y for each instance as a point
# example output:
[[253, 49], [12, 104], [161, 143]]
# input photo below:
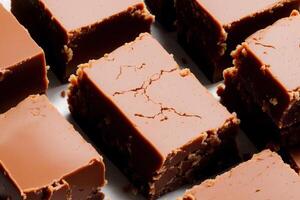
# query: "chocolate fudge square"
[[265, 76], [74, 31], [263, 177], [22, 63], [155, 121], [43, 157], [164, 11], [211, 29]]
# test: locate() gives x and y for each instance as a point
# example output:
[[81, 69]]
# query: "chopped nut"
[[185, 72]]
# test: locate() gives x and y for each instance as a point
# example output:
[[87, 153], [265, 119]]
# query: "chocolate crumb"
[[63, 94]]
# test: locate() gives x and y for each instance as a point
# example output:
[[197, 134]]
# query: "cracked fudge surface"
[[158, 118], [43, 157], [86, 31], [22, 62], [211, 29], [265, 176]]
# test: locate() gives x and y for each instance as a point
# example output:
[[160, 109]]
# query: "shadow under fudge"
[[83, 32], [139, 112]]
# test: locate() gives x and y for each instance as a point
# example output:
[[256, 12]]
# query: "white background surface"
[[117, 183]]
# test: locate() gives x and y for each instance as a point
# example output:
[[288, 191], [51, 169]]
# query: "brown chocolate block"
[[156, 122], [265, 176], [43, 157], [261, 77], [74, 31], [211, 29], [22, 63], [267, 63], [164, 11]]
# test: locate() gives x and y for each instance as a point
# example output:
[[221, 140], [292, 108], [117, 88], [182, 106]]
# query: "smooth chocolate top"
[[167, 106], [278, 48], [38, 146], [16, 44], [76, 14], [230, 11], [265, 176]]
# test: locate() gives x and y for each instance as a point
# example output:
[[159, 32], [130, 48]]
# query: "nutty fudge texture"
[[43, 157], [133, 105], [74, 31], [265, 176], [210, 29], [22, 63]]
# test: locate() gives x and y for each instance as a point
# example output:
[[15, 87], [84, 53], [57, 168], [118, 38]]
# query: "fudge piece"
[[22, 63], [74, 31], [43, 157], [133, 105], [265, 176], [258, 126], [261, 78], [164, 11], [211, 29]]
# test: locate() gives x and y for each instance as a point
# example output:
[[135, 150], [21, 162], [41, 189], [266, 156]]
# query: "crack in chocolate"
[[144, 87], [146, 84], [265, 45], [136, 68]]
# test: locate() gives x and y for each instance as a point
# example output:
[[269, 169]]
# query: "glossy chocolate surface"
[[159, 100], [40, 150], [230, 11], [82, 14], [16, 44], [265, 176]]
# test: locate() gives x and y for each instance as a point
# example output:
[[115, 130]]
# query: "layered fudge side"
[[43, 157], [211, 29], [22, 63], [164, 11], [265, 176], [74, 31], [264, 80], [155, 121]]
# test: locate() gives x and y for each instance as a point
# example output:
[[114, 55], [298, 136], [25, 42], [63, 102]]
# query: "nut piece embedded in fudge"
[[164, 11], [265, 176], [74, 31], [211, 29], [43, 157], [155, 121], [22, 63]]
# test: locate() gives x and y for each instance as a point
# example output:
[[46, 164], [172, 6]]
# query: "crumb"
[[273, 101], [63, 94], [184, 72]]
